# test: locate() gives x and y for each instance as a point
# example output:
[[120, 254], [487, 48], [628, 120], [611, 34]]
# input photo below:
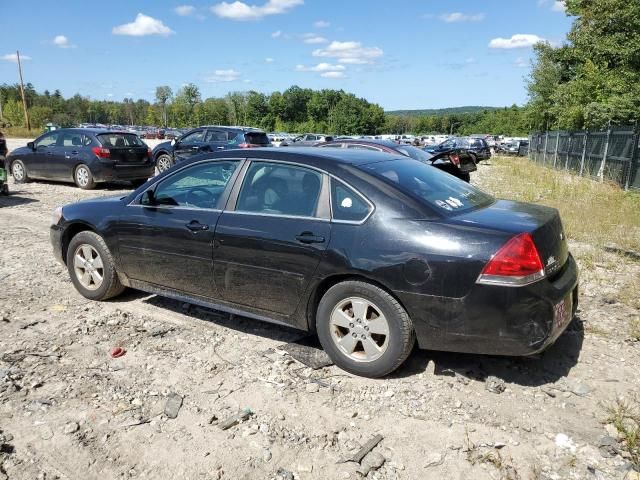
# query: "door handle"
[[74, 152], [196, 226], [309, 237], [49, 153], [220, 148], [195, 148]]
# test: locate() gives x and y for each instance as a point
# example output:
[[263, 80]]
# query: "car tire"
[[164, 162], [465, 176], [347, 316], [93, 272], [19, 172], [83, 177]]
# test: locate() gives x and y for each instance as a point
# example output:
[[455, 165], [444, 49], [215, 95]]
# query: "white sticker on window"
[[347, 203]]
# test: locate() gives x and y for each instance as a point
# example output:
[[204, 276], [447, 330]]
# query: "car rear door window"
[[280, 189], [347, 204], [216, 136], [439, 190], [197, 186]]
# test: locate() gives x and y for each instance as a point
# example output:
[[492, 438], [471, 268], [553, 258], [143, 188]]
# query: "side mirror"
[[31, 145], [148, 199]]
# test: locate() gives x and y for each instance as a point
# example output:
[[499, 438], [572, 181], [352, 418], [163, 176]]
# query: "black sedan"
[[478, 148], [458, 162], [370, 250], [83, 156]]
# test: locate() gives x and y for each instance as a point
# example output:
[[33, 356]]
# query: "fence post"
[[566, 162], [555, 154], [584, 151], [604, 157], [546, 141], [633, 161]]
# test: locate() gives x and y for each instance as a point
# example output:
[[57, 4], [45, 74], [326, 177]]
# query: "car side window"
[[48, 140], [280, 189], [197, 186], [216, 136], [74, 139], [347, 204], [194, 137]]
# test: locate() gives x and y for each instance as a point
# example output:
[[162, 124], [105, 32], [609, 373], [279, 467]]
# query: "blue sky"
[[401, 54]]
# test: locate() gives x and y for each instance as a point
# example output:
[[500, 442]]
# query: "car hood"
[[19, 150], [116, 198]]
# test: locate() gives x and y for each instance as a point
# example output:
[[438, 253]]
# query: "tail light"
[[149, 153], [455, 159], [101, 152], [248, 145], [517, 263]]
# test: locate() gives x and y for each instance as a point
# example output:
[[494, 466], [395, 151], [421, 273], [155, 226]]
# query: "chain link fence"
[[612, 155]]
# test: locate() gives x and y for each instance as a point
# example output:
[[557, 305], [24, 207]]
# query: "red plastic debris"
[[117, 352]]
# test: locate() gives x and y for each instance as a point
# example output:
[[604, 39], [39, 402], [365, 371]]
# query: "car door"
[[216, 139], [166, 237], [71, 145], [41, 162], [270, 242], [189, 145]]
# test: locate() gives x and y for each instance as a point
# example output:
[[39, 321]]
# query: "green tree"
[[163, 95]]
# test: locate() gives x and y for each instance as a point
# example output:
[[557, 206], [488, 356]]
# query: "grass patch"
[[21, 132], [624, 415], [592, 212]]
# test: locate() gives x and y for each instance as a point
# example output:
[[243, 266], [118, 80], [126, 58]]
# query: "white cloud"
[[241, 11], [312, 38], [62, 42], [521, 62], [223, 76], [461, 17], [143, 25], [332, 74], [185, 10], [519, 40], [349, 52], [12, 57], [276, 34], [321, 67], [559, 6], [268, 60], [321, 24]]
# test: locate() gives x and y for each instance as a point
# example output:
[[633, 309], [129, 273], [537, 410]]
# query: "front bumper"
[[55, 236], [496, 320]]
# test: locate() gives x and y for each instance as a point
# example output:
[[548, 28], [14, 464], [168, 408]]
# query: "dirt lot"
[[69, 410]]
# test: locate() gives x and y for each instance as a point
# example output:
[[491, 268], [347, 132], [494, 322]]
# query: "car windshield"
[[414, 153], [119, 140], [441, 191]]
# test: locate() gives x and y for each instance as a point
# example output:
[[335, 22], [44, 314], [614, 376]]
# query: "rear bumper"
[[110, 173], [496, 320]]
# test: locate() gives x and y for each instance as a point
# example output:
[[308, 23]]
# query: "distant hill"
[[440, 111]]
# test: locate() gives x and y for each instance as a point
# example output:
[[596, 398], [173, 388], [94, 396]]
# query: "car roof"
[[232, 127], [323, 158], [95, 131]]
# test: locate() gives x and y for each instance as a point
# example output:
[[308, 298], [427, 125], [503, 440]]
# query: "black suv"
[[207, 139], [478, 148], [84, 156]]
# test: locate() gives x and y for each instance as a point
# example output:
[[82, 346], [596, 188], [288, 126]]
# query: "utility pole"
[[24, 100]]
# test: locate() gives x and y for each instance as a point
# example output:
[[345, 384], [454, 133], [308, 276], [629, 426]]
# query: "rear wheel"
[[474, 158], [92, 268], [19, 172], [84, 178], [164, 162], [364, 329]]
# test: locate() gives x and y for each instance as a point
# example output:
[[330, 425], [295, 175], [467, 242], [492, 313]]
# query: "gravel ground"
[[68, 410]]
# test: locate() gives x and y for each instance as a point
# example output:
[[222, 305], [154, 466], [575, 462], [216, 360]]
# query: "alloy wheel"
[[88, 267], [164, 163], [82, 176], [18, 172], [359, 329]]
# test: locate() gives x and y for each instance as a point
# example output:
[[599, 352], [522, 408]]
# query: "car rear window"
[[257, 138], [118, 140], [439, 190]]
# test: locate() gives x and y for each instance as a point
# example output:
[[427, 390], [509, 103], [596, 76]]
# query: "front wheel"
[[164, 162], [19, 172], [92, 268], [84, 178], [364, 329]]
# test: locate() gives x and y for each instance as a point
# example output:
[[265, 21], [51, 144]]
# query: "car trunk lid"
[[125, 148], [542, 223]]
